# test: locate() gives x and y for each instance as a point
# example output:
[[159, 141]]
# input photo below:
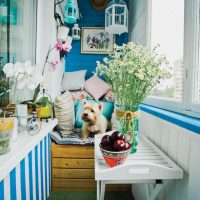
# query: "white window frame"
[[190, 60]]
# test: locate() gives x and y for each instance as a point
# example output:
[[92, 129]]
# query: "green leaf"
[[37, 90], [43, 101]]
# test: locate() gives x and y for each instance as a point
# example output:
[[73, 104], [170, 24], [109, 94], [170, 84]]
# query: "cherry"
[[127, 146], [106, 140], [108, 148], [119, 145], [117, 135]]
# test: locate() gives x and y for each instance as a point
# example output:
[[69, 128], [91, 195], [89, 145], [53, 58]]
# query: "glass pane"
[[70, 11], [197, 73], [3, 32], [167, 28], [17, 36], [198, 86], [22, 30]]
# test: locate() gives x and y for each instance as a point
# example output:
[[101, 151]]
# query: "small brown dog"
[[93, 120]]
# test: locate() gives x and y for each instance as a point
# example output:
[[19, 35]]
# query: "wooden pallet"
[[73, 169]]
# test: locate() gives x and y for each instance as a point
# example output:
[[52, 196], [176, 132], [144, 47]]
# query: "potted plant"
[[132, 72], [43, 106], [4, 88]]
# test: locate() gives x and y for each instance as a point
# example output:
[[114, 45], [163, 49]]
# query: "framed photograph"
[[95, 40]]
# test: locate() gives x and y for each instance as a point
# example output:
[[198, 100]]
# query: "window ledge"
[[190, 123]]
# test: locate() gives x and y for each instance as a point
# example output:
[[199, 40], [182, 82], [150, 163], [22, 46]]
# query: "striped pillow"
[[64, 111]]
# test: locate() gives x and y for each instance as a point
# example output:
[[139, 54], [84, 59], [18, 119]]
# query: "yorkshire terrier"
[[93, 120]]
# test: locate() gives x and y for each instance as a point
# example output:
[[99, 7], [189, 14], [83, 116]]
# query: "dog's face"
[[91, 112]]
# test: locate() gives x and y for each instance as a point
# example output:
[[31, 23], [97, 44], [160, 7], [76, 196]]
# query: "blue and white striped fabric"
[[31, 177]]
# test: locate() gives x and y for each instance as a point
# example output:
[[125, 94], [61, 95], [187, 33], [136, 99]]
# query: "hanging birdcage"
[[116, 17], [76, 32]]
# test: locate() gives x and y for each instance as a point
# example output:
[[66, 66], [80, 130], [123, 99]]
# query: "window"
[[17, 30], [174, 25], [167, 28], [197, 70]]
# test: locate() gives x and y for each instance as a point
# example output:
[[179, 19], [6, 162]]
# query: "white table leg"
[[98, 190], [147, 190], [102, 193], [158, 188]]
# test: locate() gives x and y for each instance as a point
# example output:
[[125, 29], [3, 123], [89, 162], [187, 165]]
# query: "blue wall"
[[90, 18]]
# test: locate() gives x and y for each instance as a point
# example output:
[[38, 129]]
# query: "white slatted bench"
[[148, 165]]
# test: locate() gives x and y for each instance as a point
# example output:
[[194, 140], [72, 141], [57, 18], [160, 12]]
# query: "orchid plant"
[[24, 75], [59, 46]]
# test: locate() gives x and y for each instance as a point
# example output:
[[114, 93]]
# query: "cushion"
[[96, 87], [64, 111], [74, 139], [80, 94], [109, 96], [73, 80], [108, 108]]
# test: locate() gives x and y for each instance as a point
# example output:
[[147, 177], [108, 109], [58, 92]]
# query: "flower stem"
[[46, 60]]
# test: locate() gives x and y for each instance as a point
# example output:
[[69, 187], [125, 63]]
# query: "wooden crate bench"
[[73, 168]]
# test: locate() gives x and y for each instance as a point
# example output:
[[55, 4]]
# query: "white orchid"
[[29, 69], [19, 68], [21, 83], [34, 80], [8, 69], [24, 75]]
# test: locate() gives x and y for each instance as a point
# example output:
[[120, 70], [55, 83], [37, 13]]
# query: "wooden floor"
[[125, 195]]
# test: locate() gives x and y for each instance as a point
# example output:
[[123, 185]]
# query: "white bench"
[[148, 165]]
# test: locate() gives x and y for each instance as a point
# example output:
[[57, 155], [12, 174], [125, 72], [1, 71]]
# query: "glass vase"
[[6, 129], [34, 125], [127, 121]]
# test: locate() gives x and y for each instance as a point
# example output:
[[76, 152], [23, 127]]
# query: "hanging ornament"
[[71, 11], [76, 32], [116, 17]]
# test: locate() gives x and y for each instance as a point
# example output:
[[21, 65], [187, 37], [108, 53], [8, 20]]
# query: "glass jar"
[[127, 121], [34, 124], [6, 129]]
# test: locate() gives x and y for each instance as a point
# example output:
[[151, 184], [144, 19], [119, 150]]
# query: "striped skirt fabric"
[[30, 179]]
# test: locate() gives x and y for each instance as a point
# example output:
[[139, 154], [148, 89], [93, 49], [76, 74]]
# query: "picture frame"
[[95, 40]]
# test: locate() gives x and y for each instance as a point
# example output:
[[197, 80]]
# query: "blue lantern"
[[71, 12]]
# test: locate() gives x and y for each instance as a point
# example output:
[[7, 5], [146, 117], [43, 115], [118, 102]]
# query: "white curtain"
[[23, 37], [23, 33]]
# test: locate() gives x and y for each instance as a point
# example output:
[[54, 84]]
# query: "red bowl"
[[114, 158]]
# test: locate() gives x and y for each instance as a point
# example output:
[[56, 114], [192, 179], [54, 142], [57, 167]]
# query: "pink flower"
[[53, 68], [66, 47], [55, 61], [58, 46]]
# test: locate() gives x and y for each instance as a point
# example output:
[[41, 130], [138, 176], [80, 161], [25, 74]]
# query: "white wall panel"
[[164, 142], [173, 141], [183, 146], [183, 151], [46, 37], [194, 171]]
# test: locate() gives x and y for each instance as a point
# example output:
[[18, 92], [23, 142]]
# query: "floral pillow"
[[109, 96], [79, 95]]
